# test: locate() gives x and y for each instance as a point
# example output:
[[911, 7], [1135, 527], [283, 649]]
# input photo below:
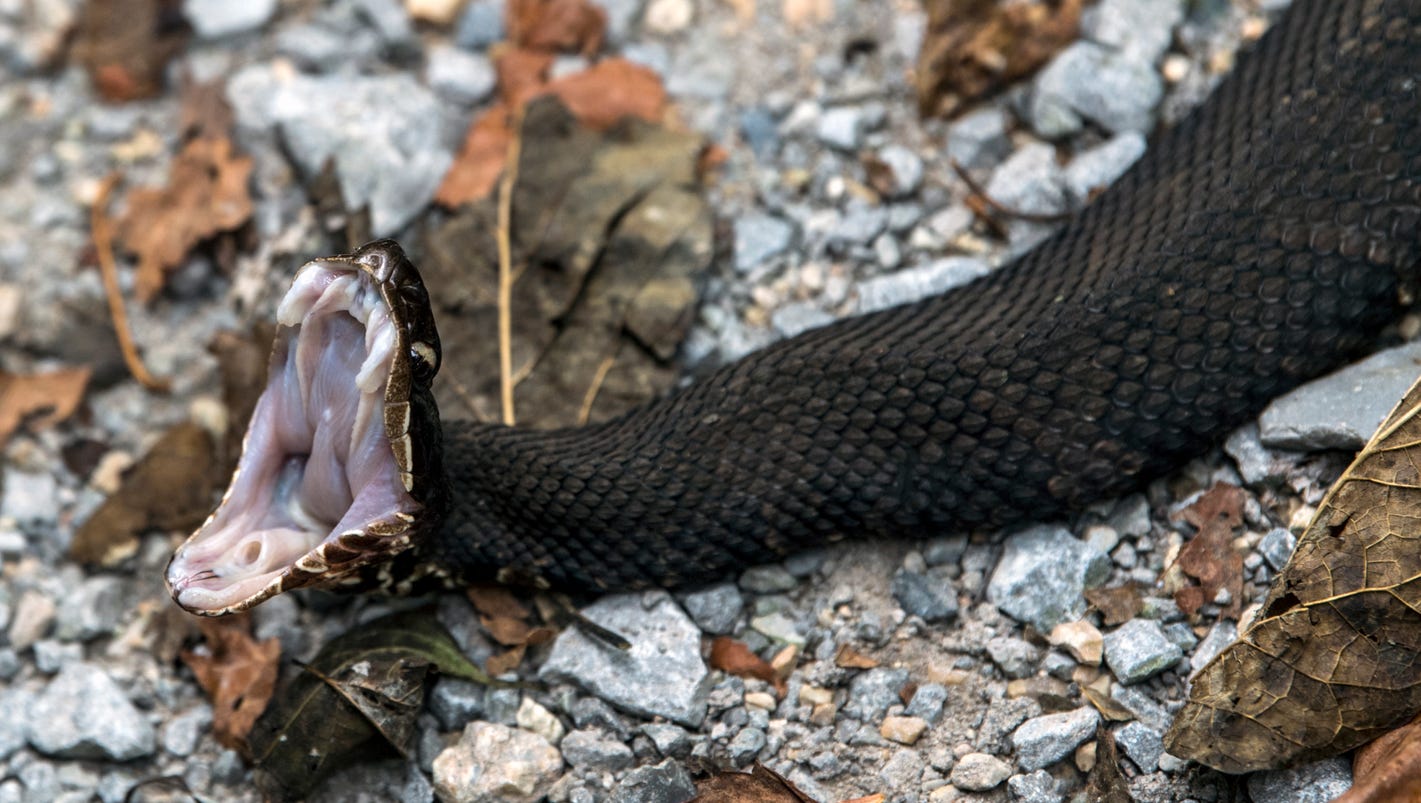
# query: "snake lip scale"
[[1266, 239]]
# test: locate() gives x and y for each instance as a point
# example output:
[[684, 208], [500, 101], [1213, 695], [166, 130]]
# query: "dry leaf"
[[237, 673], [39, 401], [611, 90], [1097, 694], [847, 657], [169, 488], [1117, 605], [570, 26], [1210, 557], [125, 45], [1389, 769], [205, 112], [1107, 784], [759, 785], [1333, 659], [734, 657], [206, 194], [975, 47]]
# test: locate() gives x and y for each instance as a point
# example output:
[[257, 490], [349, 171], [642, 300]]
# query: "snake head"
[[340, 464]]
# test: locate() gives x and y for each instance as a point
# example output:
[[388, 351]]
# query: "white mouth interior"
[[317, 461]]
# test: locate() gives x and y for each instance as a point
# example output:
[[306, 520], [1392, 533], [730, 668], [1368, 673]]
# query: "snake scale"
[[1264, 240]]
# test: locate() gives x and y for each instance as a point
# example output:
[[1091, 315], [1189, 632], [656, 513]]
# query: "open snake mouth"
[[323, 484]]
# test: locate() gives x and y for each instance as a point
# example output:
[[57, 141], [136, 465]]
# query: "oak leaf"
[[1209, 557], [39, 400], [237, 672], [1333, 659]]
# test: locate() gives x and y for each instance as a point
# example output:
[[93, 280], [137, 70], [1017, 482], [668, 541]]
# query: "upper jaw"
[[327, 479]]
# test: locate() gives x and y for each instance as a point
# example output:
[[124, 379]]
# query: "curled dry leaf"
[[1107, 784], [1118, 604], [206, 195], [759, 785], [1333, 659], [571, 26], [975, 47], [238, 674], [39, 400], [735, 657], [506, 619], [1209, 557]]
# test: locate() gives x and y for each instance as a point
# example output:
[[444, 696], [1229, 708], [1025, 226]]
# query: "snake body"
[[1266, 239], [1263, 241]]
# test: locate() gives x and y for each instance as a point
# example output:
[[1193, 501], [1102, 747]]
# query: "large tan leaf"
[[1334, 658]]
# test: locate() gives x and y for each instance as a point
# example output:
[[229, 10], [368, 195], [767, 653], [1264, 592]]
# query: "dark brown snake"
[[1263, 241]]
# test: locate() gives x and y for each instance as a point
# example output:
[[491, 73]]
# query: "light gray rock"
[[1143, 744], [1030, 182], [389, 21], [671, 741], [214, 19], [841, 127], [51, 656], [1142, 29], [906, 167], [83, 714], [902, 770], [1277, 547], [94, 609], [29, 498], [1343, 409], [1221, 635], [391, 161], [799, 316], [715, 609], [1098, 167], [455, 701], [1042, 741], [593, 749], [927, 702], [926, 595], [778, 627], [496, 764], [1144, 707], [1256, 463], [913, 284], [1036, 787], [978, 772], [1015, 657], [979, 139], [1043, 574], [392, 780], [745, 746], [661, 675], [13, 722], [872, 692], [458, 75], [768, 579], [859, 225], [667, 782], [181, 734], [1139, 649], [759, 237], [1087, 81], [1318, 782], [480, 25]]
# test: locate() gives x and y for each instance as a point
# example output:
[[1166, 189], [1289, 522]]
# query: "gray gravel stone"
[[29, 498], [1042, 575], [1016, 657], [181, 734], [1318, 782], [1086, 80], [51, 656], [1043, 741], [388, 19], [768, 579], [458, 75], [1144, 707], [661, 675], [480, 25], [978, 772], [593, 749], [1277, 547], [927, 702], [590, 712], [1341, 410], [1143, 744], [925, 595], [1036, 787], [13, 725], [1030, 182], [1139, 649], [1098, 167], [83, 714], [496, 764], [94, 610], [759, 237], [871, 693], [715, 609], [913, 284], [667, 782], [670, 740], [841, 127], [979, 139], [391, 162], [1221, 635], [213, 19], [778, 627], [906, 167], [1256, 462], [745, 746], [455, 702], [392, 780], [859, 225], [1139, 28], [1003, 717]]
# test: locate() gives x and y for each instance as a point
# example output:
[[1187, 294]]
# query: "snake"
[[1269, 237]]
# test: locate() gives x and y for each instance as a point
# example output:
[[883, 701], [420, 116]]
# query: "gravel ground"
[[87, 710]]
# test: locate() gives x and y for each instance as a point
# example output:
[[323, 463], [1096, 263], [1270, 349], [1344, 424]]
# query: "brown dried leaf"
[[1389, 769], [238, 674], [1098, 695], [205, 112], [759, 785], [1107, 784], [571, 26], [206, 194], [126, 44], [733, 656], [611, 90], [973, 48], [847, 657], [502, 615], [39, 401], [1210, 557], [1118, 604], [169, 488], [1333, 659]]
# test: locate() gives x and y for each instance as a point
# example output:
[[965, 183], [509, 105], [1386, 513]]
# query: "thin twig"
[[977, 190], [101, 229], [585, 412], [505, 268]]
